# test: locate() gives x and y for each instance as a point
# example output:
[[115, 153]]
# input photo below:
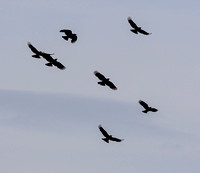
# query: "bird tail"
[[35, 56], [49, 64], [145, 111], [101, 83], [134, 31], [65, 37], [106, 140]]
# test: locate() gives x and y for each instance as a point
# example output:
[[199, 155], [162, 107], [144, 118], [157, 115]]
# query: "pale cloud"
[[50, 134]]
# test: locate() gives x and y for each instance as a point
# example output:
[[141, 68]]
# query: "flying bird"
[[52, 61], [107, 136], [47, 56], [69, 34], [146, 107], [136, 29], [34, 50], [104, 81]]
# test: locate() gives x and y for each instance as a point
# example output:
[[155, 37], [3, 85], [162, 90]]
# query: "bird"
[[38, 54], [47, 56], [34, 50], [52, 61], [69, 34], [136, 29], [104, 81], [146, 107], [107, 136]]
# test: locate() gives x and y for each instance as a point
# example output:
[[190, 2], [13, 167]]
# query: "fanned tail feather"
[[35, 56], [134, 31], [145, 111], [106, 140], [49, 64]]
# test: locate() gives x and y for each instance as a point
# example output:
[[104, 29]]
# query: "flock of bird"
[[103, 80]]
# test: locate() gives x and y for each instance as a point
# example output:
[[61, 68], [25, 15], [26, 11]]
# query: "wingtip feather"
[[129, 18], [95, 72], [29, 43]]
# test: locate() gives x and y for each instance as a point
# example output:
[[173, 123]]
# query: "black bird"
[[47, 56], [34, 50], [146, 107], [104, 81], [68, 35], [107, 136], [136, 29], [52, 61]]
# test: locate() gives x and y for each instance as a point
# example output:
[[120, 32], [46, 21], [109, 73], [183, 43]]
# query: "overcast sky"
[[161, 68]]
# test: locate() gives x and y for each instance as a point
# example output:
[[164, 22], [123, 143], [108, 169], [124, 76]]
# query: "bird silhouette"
[[69, 34], [104, 81], [52, 61], [146, 107], [107, 136], [47, 56], [136, 29]]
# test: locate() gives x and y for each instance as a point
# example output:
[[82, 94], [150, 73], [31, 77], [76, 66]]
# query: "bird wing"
[[74, 38], [132, 23], [144, 104], [33, 49], [103, 131], [143, 32], [154, 109], [111, 85], [66, 31], [116, 139], [58, 64], [99, 75], [46, 54]]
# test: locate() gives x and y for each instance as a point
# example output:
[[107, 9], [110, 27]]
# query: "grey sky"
[[162, 69], [59, 133]]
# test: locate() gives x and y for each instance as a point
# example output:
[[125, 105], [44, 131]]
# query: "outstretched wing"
[[74, 38], [132, 23], [116, 139], [103, 131], [33, 49], [99, 75], [58, 64], [144, 104], [111, 85], [66, 31], [46, 54], [143, 32]]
